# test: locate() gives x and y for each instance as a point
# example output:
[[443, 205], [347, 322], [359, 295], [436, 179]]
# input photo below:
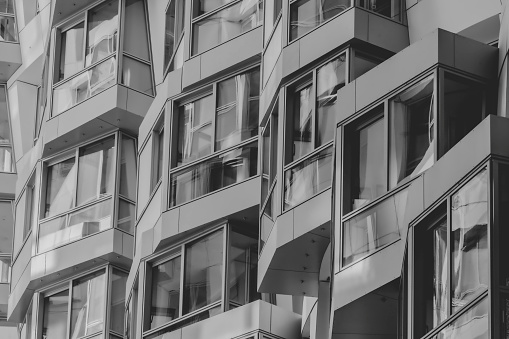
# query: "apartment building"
[[254, 169]]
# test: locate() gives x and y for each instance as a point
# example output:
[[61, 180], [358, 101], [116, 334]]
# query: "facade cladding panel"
[[254, 169]]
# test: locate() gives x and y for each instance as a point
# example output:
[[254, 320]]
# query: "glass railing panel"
[[84, 85], [213, 174], [308, 178], [473, 324], [370, 230], [226, 24]]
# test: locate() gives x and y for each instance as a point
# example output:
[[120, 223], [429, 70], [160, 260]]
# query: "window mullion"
[[69, 309], [85, 40], [76, 164], [214, 96], [116, 182], [449, 257], [387, 130], [225, 292], [313, 112], [107, 301], [182, 275]]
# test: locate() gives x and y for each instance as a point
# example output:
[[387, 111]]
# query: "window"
[[158, 156], [310, 125], [389, 8], [79, 190], [207, 125], [6, 156], [80, 310], [272, 10], [7, 21], [131, 313], [188, 286], [458, 245], [174, 33], [213, 24]]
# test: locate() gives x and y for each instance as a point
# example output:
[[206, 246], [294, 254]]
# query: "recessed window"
[[208, 125], [191, 281], [7, 21], [174, 32], [212, 27], [450, 256]]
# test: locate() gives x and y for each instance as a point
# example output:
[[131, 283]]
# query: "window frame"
[[158, 152], [428, 221], [275, 21], [216, 10], [179, 6], [13, 16], [174, 115], [179, 250], [8, 144]]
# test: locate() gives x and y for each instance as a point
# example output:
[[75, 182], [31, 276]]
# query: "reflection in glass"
[[128, 168], [195, 129], [90, 220], [330, 79], [137, 75], [135, 29], [173, 33], [362, 63], [102, 32], [272, 10], [87, 306], [165, 292], [5, 270], [51, 234], [242, 269], [126, 220], [374, 228], [71, 51], [308, 178], [470, 273], [60, 188], [203, 272], [55, 316], [7, 28], [308, 14], [117, 300], [203, 6], [85, 85], [368, 172], [237, 109], [387, 8], [412, 119], [302, 122], [214, 173], [6, 164], [7, 6], [96, 167], [473, 324], [226, 24]]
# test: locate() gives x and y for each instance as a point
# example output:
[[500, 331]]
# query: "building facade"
[[250, 169]]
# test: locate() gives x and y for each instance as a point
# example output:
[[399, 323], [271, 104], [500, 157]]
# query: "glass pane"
[[302, 122], [117, 302], [165, 292], [160, 154], [137, 75], [362, 63], [128, 168], [135, 29], [7, 6], [308, 178], [87, 309], [96, 171], [440, 273], [32, 215], [368, 176], [387, 8], [126, 219], [330, 79], [8, 29], [55, 316], [215, 173], [6, 164], [71, 51], [52, 234], [241, 267], [266, 149], [412, 149], [195, 129], [308, 14], [503, 219], [102, 32], [473, 324], [470, 253], [85, 85], [174, 31], [7, 217], [5, 129], [203, 6], [463, 109], [375, 228], [90, 220], [60, 188], [226, 24], [237, 109], [203, 272]]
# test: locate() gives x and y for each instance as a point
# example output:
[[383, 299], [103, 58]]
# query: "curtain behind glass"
[[60, 187], [239, 265], [55, 316], [87, 309], [71, 51], [165, 305], [135, 29], [440, 273], [102, 32]]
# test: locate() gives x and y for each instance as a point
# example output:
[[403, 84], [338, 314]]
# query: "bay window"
[[79, 194], [78, 310], [8, 31], [215, 144], [86, 53], [215, 22], [196, 282], [173, 36], [451, 252], [6, 156]]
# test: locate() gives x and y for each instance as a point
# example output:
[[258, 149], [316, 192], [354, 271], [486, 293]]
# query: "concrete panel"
[[271, 89], [291, 58], [304, 221], [10, 59], [499, 135], [7, 185], [283, 229], [368, 274], [4, 293], [144, 172], [283, 323], [289, 282], [220, 204], [8, 332], [173, 83], [127, 245], [19, 298], [21, 261], [166, 227], [481, 59], [137, 103], [220, 58], [415, 204], [386, 33], [486, 31], [145, 245], [346, 98], [148, 122], [191, 72], [32, 41], [157, 23], [22, 111]]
